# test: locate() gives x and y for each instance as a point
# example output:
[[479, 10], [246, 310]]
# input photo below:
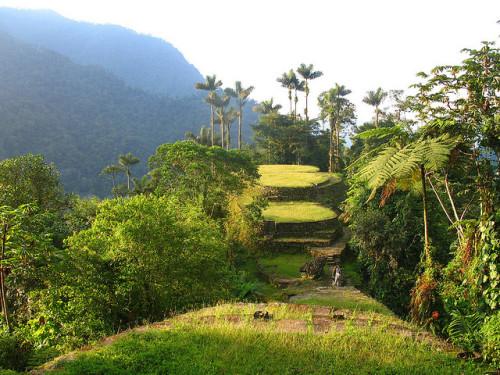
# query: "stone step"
[[301, 242]]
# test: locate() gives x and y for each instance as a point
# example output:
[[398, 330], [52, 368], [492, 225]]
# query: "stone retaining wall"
[[278, 229]]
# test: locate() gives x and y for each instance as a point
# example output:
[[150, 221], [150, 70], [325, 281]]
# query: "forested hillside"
[[82, 94], [141, 60], [82, 118]]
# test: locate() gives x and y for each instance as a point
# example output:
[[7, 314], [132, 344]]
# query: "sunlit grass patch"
[[285, 168], [357, 304], [245, 350], [285, 265], [295, 212], [294, 176]]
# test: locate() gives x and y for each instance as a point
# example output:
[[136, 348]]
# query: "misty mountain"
[[82, 118], [141, 60]]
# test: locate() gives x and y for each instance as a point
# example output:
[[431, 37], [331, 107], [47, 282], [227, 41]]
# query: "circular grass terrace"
[[297, 212], [293, 176]]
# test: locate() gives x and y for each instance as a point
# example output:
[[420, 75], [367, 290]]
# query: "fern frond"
[[378, 170], [436, 151], [379, 132]]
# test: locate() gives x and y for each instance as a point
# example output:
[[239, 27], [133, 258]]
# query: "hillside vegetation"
[[81, 95], [140, 60], [92, 114], [329, 330]]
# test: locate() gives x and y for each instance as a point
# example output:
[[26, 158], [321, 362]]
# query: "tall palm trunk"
[[307, 95], [337, 146], [240, 120], [330, 165], [222, 131], [212, 122]]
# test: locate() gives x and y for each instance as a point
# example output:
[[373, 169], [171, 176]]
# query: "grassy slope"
[[286, 212], [227, 340]]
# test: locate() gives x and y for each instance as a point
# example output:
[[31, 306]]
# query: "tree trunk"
[[2, 276], [212, 122], [330, 167], [307, 94], [240, 120], [222, 132], [337, 147], [428, 259]]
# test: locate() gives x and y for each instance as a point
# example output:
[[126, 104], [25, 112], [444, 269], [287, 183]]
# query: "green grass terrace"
[[297, 212], [294, 176]]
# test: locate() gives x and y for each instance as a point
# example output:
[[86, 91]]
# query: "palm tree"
[[240, 94], [266, 107], [297, 86], [307, 73], [287, 81], [220, 103], [127, 161], [375, 98], [226, 119], [338, 110], [211, 84], [142, 185], [204, 138]]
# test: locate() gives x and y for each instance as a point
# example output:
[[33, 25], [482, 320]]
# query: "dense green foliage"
[[285, 140], [434, 236], [205, 175], [124, 261]]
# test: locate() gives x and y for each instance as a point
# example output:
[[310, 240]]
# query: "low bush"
[[491, 338]]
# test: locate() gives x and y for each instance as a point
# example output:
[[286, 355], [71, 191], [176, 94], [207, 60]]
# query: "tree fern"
[[400, 164]]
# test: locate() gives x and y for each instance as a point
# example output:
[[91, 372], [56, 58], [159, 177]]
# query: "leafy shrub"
[[491, 338], [464, 330], [13, 354], [146, 257]]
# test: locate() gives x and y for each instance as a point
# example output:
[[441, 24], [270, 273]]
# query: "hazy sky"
[[362, 44]]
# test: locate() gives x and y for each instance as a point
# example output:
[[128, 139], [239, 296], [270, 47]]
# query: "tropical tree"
[[266, 107], [111, 172], [375, 99], [128, 161], [28, 179], [25, 250], [220, 103], [142, 185], [211, 84], [339, 111], [405, 167], [205, 175], [205, 137], [226, 117], [307, 72], [240, 94], [289, 81]]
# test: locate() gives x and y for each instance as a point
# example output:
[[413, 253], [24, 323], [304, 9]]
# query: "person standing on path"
[[336, 276]]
